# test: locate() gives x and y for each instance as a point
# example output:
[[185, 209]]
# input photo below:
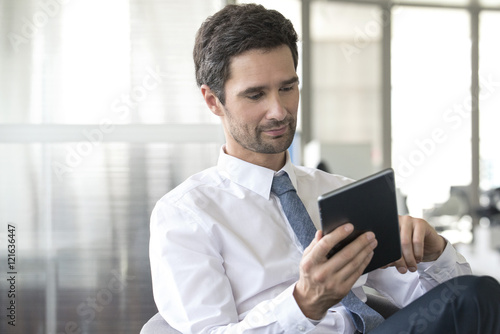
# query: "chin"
[[273, 149]]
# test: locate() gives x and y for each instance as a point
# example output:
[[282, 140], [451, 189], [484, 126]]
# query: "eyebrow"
[[256, 89]]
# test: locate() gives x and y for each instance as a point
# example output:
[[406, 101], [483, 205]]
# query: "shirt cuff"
[[289, 315], [445, 267]]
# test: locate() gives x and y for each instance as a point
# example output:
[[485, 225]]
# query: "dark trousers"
[[465, 304]]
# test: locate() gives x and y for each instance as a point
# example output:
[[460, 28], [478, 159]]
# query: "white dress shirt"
[[225, 260]]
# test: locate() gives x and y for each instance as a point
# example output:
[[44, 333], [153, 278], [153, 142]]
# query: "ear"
[[212, 101]]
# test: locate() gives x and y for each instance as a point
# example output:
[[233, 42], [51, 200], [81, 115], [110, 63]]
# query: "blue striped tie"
[[364, 317]]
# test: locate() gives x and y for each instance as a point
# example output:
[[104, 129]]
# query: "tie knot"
[[282, 184]]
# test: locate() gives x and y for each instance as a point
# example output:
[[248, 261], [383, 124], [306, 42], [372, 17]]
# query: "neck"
[[271, 161]]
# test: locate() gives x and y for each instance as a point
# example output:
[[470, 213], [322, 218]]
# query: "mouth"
[[275, 132]]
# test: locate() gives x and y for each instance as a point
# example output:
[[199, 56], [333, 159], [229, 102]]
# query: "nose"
[[276, 108]]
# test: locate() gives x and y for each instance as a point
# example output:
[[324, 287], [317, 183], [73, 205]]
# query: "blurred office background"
[[100, 116]]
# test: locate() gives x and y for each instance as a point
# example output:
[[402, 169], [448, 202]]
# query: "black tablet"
[[370, 205]]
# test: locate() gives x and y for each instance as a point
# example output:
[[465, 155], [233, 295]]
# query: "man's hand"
[[324, 282], [419, 243]]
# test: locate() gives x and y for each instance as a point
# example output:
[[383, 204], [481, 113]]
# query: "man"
[[224, 257]]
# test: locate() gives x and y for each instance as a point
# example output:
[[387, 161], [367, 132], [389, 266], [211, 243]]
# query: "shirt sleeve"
[[402, 289], [190, 287]]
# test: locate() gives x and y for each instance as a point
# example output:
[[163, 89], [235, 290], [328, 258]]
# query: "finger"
[[328, 241], [352, 260], [342, 270], [315, 254], [400, 265], [345, 267], [419, 233], [351, 273], [406, 232], [392, 264]]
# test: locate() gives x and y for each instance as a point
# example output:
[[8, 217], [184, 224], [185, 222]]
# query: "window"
[[99, 117], [431, 104], [489, 99], [346, 87]]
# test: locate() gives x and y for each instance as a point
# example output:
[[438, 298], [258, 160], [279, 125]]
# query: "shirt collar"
[[253, 177]]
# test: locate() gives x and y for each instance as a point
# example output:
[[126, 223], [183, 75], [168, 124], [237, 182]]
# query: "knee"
[[478, 285], [474, 288]]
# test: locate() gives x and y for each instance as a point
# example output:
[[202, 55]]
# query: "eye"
[[287, 88], [256, 97]]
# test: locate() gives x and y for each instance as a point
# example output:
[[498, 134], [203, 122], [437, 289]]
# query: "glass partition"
[[346, 87], [431, 106]]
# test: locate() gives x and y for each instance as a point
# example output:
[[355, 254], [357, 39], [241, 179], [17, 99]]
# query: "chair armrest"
[[158, 325], [381, 304]]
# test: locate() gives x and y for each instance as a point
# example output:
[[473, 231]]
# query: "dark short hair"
[[232, 31]]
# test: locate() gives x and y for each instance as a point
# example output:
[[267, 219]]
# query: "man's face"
[[262, 97]]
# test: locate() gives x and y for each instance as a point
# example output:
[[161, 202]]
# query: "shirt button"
[[301, 328]]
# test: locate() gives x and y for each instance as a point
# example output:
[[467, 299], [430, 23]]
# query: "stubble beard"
[[255, 140]]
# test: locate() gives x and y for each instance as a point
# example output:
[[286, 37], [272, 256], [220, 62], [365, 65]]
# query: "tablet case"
[[370, 205]]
